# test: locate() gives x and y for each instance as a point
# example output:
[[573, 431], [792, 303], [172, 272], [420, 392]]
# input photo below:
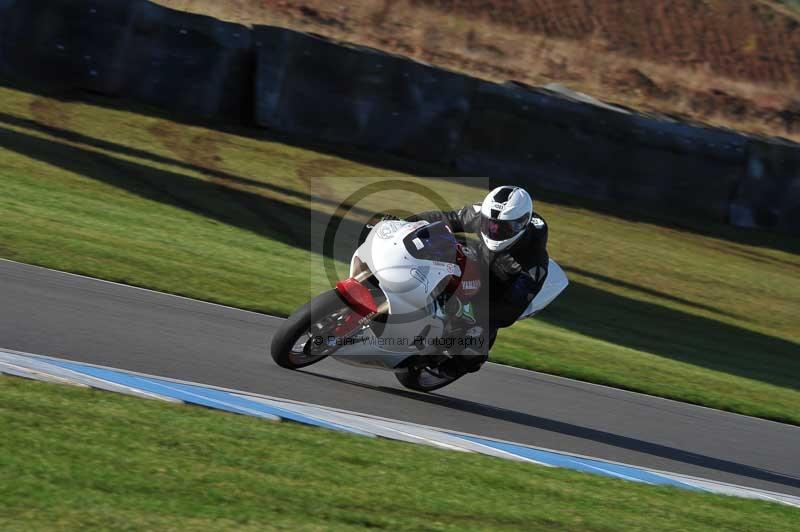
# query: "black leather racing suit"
[[510, 278]]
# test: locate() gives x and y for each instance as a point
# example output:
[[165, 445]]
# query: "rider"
[[512, 251]]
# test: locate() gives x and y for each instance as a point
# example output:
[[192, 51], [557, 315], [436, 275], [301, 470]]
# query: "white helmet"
[[505, 214]]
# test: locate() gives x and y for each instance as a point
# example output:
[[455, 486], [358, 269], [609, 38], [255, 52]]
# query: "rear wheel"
[[302, 338], [424, 379]]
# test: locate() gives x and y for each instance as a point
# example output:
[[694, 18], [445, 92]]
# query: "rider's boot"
[[476, 350], [471, 354]]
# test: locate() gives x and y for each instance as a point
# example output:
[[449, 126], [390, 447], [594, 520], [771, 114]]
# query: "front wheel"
[[424, 379], [301, 339]]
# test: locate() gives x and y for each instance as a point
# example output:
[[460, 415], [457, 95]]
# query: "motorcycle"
[[391, 313]]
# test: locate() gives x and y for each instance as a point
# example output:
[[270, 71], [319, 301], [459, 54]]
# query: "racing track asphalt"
[[62, 315]]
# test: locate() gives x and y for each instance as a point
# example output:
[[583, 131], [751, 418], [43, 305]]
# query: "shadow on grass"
[[751, 237], [289, 224], [675, 334], [645, 290], [585, 433], [72, 136]]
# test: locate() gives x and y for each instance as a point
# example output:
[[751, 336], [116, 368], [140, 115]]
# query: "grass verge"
[[78, 459], [699, 313]]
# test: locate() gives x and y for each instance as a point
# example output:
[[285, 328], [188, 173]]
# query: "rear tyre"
[[424, 379], [301, 339]]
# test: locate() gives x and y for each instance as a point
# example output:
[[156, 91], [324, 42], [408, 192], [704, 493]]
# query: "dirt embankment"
[[729, 63]]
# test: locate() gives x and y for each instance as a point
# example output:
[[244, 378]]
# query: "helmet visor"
[[503, 229]]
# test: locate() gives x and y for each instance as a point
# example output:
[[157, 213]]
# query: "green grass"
[[78, 459], [693, 311]]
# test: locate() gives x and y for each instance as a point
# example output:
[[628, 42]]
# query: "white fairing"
[[406, 281], [409, 284], [555, 283]]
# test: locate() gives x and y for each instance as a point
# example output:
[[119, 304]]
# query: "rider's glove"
[[522, 290]]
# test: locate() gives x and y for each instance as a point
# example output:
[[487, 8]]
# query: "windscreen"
[[432, 242]]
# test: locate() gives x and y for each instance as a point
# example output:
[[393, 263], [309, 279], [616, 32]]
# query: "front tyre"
[[424, 379], [301, 339]]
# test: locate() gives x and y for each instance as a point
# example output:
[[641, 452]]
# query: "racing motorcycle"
[[392, 312]]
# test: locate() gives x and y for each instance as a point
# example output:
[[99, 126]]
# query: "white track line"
[[77, 377], [255, 413], [21, 371]]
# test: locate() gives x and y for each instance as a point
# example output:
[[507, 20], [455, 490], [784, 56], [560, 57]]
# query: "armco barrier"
[[768, 195], [357, 96], [174, 60], [548, 141], [6, 7], [190, 63], [345, 95], [68, 43]]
